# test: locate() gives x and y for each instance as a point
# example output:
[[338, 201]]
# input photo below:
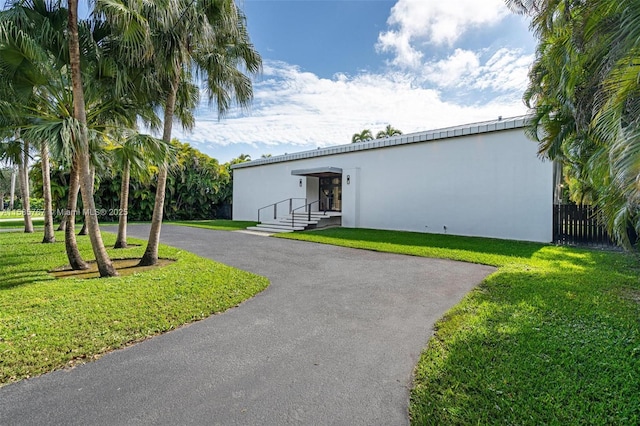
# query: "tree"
[[205, 36], [584, 97], [15, 151], [133, 155], [242, 158], [105, 266], [388, 132], [29, 34], [5, 183], [363, 136]]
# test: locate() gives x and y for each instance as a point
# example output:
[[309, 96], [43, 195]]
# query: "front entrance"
[[331, 193]]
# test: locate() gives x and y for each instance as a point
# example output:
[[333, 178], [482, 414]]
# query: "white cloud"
[[295, 110], [505, 70], [454, 70], [415, 22]]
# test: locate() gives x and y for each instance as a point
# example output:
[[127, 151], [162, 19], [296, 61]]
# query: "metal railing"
[[307, 208], [275, 206]]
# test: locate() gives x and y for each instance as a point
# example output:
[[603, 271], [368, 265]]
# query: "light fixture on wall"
[[348, 179], [300, 183]]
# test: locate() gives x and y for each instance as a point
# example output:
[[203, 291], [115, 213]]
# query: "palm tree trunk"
[[12, 195], [49, 236], [121, 240], [105, 266], [150, 256], [84, 230], [70, 243], [63, 224], [23, 171]]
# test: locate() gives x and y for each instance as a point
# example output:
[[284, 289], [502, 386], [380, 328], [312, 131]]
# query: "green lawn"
[[553, 337], [216, 224], [47, 324], [13, 219]]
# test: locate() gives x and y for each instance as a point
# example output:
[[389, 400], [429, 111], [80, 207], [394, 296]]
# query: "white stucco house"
[[481, 179]]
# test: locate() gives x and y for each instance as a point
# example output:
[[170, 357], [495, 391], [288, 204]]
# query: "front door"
[[331, 193]]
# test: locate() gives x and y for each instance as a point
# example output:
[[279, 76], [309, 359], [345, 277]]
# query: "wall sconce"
[[300, 183], [348, 179]]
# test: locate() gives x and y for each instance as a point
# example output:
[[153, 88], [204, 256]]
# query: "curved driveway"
[[333, 340]]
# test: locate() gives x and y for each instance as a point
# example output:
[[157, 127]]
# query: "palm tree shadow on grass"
[[25, 277]]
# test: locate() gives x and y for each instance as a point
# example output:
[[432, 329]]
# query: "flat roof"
[[317, 171], [425, 136]]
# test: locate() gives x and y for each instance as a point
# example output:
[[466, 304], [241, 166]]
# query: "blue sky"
[[333, 68]]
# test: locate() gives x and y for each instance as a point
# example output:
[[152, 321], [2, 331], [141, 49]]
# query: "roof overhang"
[[318, 172]]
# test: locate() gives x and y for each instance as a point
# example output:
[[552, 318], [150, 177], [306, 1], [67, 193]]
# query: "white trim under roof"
[[425, 136]]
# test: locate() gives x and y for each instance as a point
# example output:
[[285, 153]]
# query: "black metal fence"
[[578, 225]]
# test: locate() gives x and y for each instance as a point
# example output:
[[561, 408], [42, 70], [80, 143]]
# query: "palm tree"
[[71, 245], [583, 93], [16, 152], [388, 132], [31, 31], [363, 136], [133, 155], [51, 116], [105, 266], [242, 158], [205, 36]]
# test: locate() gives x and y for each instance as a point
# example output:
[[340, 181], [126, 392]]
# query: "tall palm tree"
[[52, 117], [31, 31], [208, 37], [105, 266], [363, 136], [388, 132]]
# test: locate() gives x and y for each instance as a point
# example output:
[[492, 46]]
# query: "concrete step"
[[300, 221], [268, 230], [278, 225]]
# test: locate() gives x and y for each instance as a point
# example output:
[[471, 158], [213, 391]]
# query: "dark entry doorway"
[[331, 193]]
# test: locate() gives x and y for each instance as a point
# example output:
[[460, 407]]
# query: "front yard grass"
[[18, 222], [552, 337], [48, 323]]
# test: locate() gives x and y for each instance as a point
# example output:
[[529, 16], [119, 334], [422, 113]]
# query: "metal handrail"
[[275, 206], [307, 209]]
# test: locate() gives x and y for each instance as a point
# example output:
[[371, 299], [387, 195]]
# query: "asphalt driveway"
[[333, 340]]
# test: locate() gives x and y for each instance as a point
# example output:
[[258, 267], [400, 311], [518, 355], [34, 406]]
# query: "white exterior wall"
[[487, 184], [256, 187]]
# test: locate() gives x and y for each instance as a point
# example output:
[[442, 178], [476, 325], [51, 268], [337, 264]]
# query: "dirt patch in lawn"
[[123, 266]]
